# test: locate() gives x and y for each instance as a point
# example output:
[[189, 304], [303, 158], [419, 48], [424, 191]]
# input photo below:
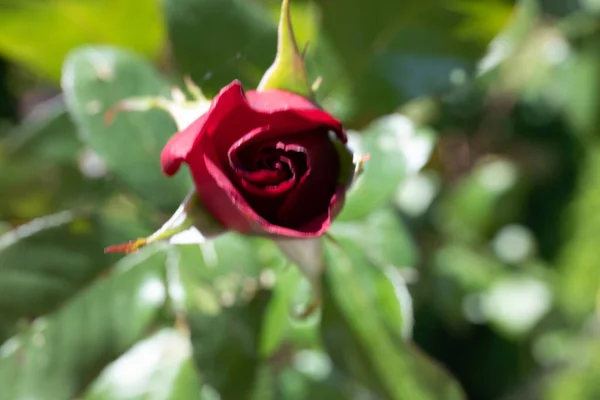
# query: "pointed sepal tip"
[[288, 71]]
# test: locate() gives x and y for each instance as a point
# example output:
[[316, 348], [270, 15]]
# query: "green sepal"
[[346, 161], [191, 223], [288, 71]]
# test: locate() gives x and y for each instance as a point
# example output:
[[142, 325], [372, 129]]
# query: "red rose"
[[265, 162]]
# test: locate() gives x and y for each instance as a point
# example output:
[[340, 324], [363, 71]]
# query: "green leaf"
[[225, 306], [579, 77], [61, 353], [431, 375], [359, 338], [217, 41], [46, 141], [218, 273], [309, 376], [400, 50], [47, 133], [382, 236], [578, 260], [94, 80], [226, 346], [158, 368], [579, 378], [502, 305], [47, 260], [291, 292], [471, 270], [296, 366], [39, 34], [482, 201], [384, 171], [288, 71]]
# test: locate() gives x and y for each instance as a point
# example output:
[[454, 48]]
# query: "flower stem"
[[137, 244]]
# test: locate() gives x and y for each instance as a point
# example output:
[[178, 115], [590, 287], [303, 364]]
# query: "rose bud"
[[266, 162]]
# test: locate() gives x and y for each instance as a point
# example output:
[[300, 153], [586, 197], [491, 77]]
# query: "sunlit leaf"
[[96, 79], [62, 352], [241, 46], [47, 141], [225, 305], [48, 260], [382, 236], [579, 273], [159, 368], [383, 142], [361, 342], [400, 50], [39, 34]]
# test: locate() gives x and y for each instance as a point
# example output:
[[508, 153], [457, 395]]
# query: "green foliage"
[[39, 34], [225, 309], [359, 65], [226, 346], [46, 142], [94, 81], [382, 237], [577, 382], [48, 260], [405, 49], [58, 355], [382, 174], [168, 372], [579, 263], [463, 264], [364, 343], [241, 45]]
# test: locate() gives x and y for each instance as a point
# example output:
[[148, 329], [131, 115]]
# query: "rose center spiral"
[[269, 170], [266, 173]]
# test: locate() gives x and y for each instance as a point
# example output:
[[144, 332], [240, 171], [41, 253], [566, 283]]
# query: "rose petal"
[[268, 191], [311, 196], [242, 113], [267, 177], [179, 146], [182, 144], [273, 100], [265, 182], [323, 221], [231, 208], [276, 102], [232, 112], [269, 182]]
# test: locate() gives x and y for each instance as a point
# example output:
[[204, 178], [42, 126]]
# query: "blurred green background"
[[467, 255]]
